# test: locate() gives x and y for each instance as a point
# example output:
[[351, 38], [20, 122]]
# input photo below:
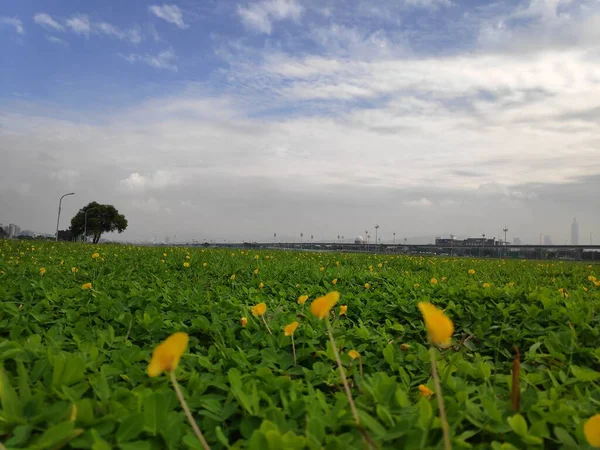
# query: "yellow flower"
[[42, 271], [204, 265], [322, 269], [591, 429], [162, 261], [302, 299], [585, 289], [261, 285], [61, 262], [321, 306], [367, 286], [187, 257], [259, 310], [471, 272], [86, 286], [255, 271], [232, 277], [256, 256], [165, 255], [96, 255], [591, 278], [486, 285], [416, 285], [74, 269], [596, 283], [511, 284], [288, 330], [439, 327], [343, 310], [337, 263], [243, 321], [425, 391], [405, 347], [563, 292], [380, 265], [434, 281], [334, 281], [353, 354], [297, 285], [186, 264], [444, 279], [167, 354]]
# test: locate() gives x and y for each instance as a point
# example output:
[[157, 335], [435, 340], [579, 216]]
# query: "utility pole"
[[59, 207], [394, 238], [376, 230], [505, 230]]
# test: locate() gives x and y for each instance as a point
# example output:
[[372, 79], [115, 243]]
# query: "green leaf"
[[389, 355], [68, 369], [518, 424], [371, 423], [9, 400], [130, 427], [425, 413], [63, 432], [585, 374], [565, 438], [155, 413]]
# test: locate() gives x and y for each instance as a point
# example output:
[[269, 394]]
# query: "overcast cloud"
[[425, 117]]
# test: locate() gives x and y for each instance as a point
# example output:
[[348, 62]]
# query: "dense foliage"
[[78, 324]]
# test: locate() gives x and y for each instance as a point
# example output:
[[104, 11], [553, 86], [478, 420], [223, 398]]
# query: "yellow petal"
[[353, 354], [259, 310], [439, 327], [302, 299], [321, 306], [425, 391], [166, 355], [591, 429], [343, 310], [288, 330]]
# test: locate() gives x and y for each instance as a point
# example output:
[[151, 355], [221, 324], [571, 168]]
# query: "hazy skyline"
[[235, 120]]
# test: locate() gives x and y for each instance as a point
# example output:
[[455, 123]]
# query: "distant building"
[[516, 241], [574, 232], [547, 240], [13, 230], [359, 240], [469, 242]]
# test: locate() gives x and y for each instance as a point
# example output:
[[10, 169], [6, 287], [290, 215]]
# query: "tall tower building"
[[574, 232]]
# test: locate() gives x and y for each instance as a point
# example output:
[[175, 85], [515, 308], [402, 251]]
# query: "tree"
[[100, 219]]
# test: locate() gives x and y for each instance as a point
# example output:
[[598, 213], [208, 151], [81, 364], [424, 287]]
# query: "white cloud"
[[80, 24], [56, 40], [159, 180], [170, 13], [430, 4], [260, 16], [421, 203], [14, 22], [83, 25], [47, 21], [166, 59]]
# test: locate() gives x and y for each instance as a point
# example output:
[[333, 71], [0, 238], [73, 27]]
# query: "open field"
[[73, 357]]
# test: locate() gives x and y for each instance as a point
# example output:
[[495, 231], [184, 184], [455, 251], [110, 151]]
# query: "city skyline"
[[235, 120]]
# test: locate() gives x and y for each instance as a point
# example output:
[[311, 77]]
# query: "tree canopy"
[[100, 219]]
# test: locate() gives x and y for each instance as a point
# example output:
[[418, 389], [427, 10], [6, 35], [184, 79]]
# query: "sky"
[[234, 120]]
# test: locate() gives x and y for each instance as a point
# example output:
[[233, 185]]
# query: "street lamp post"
[[483, 244], [394, 238], [274, 237], [301, 236], [451, 245], [591, 234], [505, 230], [541, 234], [367, 239], [59, 208], [376, 230], [85, 223], [311, 241]]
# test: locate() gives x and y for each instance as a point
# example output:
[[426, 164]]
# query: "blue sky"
[[265, 110]]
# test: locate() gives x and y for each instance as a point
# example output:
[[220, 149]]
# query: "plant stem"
[[342, 373], [360, 365], [266, 325], [187, 411], [440, 400], [294, 349]]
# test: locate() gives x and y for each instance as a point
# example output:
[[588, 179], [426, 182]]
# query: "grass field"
[[74, 356]]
